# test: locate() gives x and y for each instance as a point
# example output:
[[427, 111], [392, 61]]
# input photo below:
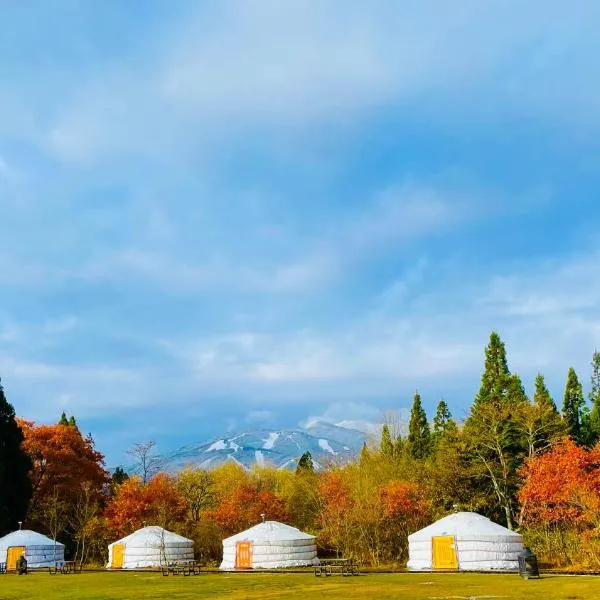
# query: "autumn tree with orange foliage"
[[562, 487], [336, 505], [560, 504], [158, 502], [244, 506], [66, 466]]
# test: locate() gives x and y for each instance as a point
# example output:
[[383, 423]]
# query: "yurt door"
[[243, 555], [12, 556], [118, 552], [444, 553]]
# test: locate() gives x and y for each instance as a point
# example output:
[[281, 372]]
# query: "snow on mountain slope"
[[326, 442]]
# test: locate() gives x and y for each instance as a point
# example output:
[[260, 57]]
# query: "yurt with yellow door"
[[464, 541], [149, 547], [269, 545], [40, 551]]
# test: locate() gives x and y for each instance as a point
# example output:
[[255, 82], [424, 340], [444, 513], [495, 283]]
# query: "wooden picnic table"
[[182, 567], [340, 566], [66, 567]]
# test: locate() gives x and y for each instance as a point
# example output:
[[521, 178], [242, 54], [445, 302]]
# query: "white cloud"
[[346, 411], [421, 344], [240, 65], [390, 218]]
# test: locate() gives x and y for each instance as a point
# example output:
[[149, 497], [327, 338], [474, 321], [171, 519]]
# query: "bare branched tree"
[[85, 510], [147, 462]]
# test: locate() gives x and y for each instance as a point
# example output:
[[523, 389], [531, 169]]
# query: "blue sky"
[[226, 214]]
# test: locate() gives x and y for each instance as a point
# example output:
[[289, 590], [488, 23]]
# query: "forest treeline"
[[523, 462]]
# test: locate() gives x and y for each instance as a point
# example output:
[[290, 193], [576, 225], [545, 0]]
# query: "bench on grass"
[[184, 567], [337, 566], [67, 567]]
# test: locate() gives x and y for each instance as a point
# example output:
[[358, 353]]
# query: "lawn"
[[150, 586]]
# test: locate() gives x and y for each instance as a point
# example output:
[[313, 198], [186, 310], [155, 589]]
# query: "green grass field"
[[151, 586]]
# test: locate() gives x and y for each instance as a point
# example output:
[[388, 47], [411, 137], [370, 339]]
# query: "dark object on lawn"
[[528, 564], [22, 565]]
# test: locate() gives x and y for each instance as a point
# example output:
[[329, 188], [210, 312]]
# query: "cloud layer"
[[252, 213]]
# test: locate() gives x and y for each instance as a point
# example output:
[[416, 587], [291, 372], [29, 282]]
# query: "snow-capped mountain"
[[326, 442]]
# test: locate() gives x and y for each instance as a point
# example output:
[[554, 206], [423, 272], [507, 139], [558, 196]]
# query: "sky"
[[224, 214]]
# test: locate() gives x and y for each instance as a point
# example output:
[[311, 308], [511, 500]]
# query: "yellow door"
[[118, 552], [443, 551], [243, 555], [12, 556]]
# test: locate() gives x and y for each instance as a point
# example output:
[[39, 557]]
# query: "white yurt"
[[269, 545], [40, 551], [149, 547], [464, 541]]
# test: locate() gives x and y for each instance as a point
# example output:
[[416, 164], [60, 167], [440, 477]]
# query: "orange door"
[[443, 549], [243, 555], [118, 552], [12, 556]]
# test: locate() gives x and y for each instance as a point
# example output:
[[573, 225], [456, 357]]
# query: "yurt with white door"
[[269, 545], [40, 551], [464, 541], [149, 547]]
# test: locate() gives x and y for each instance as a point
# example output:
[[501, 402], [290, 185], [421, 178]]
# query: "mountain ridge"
[[281, 448]]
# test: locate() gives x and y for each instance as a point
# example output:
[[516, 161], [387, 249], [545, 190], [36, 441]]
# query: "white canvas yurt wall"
[[40, 551], [480, 544], [151, 547], [273, 545]]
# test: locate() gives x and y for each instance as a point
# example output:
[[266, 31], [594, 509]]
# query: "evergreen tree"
[[493, 431], [594, 417], [541, 423], [119, 476], [72, 422], [419, 435], [305, 464], [573, 404], [63, 420], [442, 422], [399, 446], [541, 396], [498, 386], [15, 486], [365, 455], [387, 446]]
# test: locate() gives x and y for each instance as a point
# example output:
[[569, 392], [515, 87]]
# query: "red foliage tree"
[[64, 463], [562, 486], [159, 502], [337, 504], [244, 507]]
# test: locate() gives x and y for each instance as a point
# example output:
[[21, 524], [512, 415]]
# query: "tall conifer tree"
[[573, 404], [419, 435], [541, 396], [498, 386], [15, 486], [593, 425], [442, 422], [492, 431], [387, 446]]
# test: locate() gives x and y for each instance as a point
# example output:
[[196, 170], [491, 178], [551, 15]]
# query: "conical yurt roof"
[[270, 531], [465, 525], [148, 536], [27, 538]]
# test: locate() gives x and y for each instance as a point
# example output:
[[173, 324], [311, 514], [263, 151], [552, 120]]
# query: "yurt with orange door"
[[269, 545], [149, 547], [39, 550], [464, 541]]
